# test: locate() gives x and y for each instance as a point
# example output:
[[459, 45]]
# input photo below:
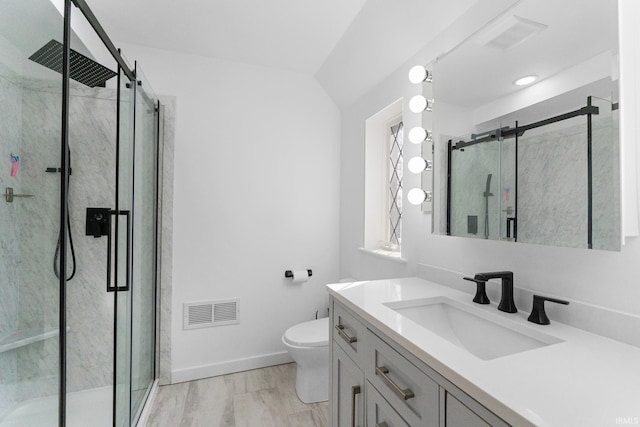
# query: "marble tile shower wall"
[[166, 235], [92, 139], [10, 130], [30, 126], [38, 226], [552, 201]]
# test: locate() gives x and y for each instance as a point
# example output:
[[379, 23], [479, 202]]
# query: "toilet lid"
[[314, 333]]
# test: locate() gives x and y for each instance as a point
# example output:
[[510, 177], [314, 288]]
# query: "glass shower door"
[[143, 291], [124, 257], [81, 374], [30, 134]]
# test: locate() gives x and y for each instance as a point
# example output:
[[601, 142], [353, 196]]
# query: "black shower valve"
[[98, 220]]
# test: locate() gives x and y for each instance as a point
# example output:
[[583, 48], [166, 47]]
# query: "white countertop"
[[586, 380]]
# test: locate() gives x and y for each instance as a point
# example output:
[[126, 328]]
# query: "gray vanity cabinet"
[[375, 382], [347, 391], [347, 346]]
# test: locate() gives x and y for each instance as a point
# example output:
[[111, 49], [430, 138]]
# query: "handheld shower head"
[[487, 191]]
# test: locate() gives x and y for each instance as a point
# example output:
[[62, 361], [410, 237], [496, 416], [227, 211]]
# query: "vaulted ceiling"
[[349, 45]]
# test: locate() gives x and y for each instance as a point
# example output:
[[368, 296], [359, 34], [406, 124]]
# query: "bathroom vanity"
[[409, 352]]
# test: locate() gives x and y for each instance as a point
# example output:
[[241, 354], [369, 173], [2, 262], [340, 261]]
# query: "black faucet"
[[538, 314], [507, 304], [481, 293]]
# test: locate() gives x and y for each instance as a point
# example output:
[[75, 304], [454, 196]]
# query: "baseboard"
[[229, 367]]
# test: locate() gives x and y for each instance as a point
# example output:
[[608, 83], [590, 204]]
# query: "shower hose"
[[73, 252]]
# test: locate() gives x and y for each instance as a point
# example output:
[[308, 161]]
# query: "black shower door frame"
[[124, 72]]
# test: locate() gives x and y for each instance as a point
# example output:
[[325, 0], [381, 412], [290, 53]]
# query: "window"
[[394, 234], [383, 181]]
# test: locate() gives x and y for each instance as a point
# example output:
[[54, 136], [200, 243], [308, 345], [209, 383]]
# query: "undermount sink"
[[472, 329]]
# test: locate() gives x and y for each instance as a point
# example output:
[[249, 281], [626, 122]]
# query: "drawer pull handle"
[[382, 424], [355, 390], [348, 338], [383, 372]]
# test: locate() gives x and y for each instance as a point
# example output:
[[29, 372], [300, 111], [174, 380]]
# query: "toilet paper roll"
[[300, 276]]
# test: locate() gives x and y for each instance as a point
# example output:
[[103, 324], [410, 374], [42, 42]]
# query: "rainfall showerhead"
[[82, 69]]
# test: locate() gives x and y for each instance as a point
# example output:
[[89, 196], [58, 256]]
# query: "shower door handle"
[[114, 266]]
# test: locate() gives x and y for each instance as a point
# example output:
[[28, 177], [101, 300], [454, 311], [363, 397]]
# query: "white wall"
[[608, 279], [256, 193]]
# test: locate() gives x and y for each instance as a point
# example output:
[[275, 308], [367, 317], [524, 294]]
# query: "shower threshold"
[[92, 407]]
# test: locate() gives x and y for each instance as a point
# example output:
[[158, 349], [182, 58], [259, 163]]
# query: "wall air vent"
[[205, 314], [508, 32]]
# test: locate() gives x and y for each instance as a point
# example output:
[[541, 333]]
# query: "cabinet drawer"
[[410, 391], [379, 412], [349, 333]]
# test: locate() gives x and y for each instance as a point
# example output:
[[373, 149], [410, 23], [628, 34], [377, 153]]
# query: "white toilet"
[[308, 344]]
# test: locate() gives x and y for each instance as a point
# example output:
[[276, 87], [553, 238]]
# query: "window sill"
[[383, 254]]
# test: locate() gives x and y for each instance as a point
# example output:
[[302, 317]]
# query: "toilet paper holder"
[[289, 274]]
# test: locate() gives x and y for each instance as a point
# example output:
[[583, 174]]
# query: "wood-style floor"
[[260, 398]]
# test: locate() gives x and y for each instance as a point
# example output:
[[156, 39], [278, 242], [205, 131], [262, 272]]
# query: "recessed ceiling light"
[[525, 80]]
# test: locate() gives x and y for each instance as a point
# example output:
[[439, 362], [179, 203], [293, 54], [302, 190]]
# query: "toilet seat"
[[314, 333]]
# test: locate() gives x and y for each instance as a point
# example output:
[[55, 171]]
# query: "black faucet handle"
[[481, 293], [538, 315]]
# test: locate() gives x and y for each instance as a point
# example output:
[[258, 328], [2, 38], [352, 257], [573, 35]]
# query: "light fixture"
[[417, 196], [525, 80], [419, 103], [418, 165], [418, 135], [419, 74]]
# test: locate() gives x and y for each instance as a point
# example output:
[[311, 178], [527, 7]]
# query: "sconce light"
[[419, 103], [419, 74], [417, 196], [418, 165], [418, 135]]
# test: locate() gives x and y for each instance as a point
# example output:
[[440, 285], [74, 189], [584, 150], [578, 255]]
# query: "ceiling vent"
[[206, 314], [509, 32]]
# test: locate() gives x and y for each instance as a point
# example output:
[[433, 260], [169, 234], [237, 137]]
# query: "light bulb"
[[419, 103], [418, 135], [417, 196], [419, 165], [419, 74]]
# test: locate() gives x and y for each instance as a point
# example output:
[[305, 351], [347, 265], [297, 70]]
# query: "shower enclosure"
[[79, 135]]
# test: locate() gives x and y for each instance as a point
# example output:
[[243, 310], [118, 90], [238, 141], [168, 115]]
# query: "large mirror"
[[531, 161]]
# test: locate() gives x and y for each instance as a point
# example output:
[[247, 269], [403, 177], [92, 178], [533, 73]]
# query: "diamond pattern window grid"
[[395, 184]]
